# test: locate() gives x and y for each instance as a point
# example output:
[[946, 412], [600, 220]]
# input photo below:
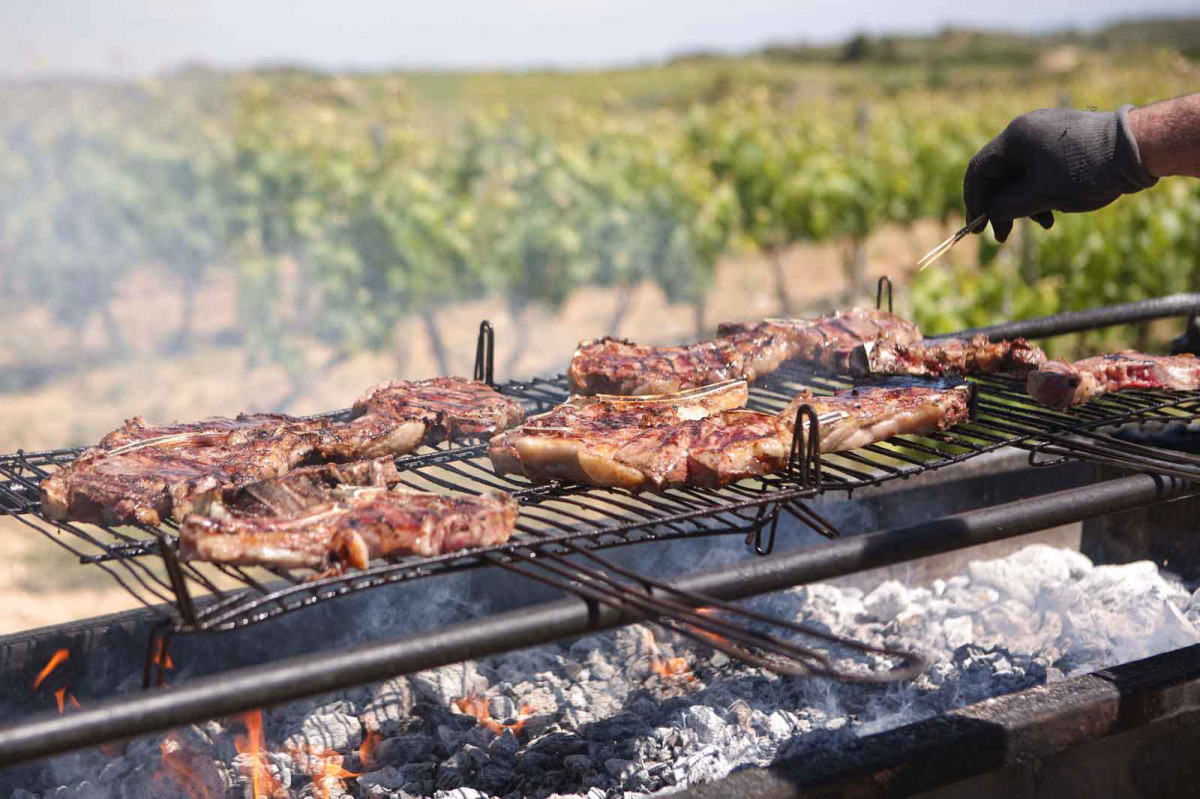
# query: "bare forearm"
[[1168, 136]]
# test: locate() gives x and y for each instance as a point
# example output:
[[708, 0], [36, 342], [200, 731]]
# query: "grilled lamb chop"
[[298, 490], [619, 367], [856, 417], [828, 342], [395, 417], [937, 357], [143, 474], [350, 526], [694, 438], [744, 351], [1060, 385]]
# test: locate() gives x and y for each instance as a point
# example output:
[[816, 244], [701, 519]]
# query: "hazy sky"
[[123, 37]]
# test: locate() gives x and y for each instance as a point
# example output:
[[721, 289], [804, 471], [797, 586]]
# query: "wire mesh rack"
[[559, 519]]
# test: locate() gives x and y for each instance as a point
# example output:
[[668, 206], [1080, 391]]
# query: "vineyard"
[[342, 206]]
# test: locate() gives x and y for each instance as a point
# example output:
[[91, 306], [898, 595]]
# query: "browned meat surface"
[[141, 473], [614, 366], [743, 351], [298, 490], [856, 417], [395, 417], [695, 438], [351, 526], [828, 342], [937, 357], [1060, 385]]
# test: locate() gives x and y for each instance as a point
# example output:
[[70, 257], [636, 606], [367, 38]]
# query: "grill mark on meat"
[[142, 474], [1060, 385], [866, 415]]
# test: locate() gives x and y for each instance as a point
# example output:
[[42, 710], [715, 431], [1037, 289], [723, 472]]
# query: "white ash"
[[595, 722]]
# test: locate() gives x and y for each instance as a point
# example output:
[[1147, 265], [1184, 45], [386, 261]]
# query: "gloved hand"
[[1056, 159]]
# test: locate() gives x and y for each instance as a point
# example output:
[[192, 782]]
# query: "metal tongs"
[[941, 249]]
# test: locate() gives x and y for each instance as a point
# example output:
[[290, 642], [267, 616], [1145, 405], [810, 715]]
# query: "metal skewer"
[[939, 250]]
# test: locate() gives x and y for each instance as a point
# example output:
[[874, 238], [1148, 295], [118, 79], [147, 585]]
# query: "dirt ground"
[[42, 583]]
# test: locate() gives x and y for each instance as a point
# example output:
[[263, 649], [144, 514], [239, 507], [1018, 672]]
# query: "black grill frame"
[[556, 517]]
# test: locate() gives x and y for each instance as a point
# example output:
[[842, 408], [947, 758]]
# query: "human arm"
[[1168, 136], [1074, 161]]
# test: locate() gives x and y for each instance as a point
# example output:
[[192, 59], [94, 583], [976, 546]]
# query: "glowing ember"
[[186, 768], [667, 668], [324, 766], [477, 706], [252, 744], [55, 661], [366, 751], [711, 637], [162, 658]]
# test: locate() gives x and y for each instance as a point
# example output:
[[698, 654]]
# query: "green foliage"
[[347, 204]]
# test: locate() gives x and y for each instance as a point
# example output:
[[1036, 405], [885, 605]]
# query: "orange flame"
[[712, 637], [55, 661], [161, 658], [58, 697], [366, 751], [180, 763], [667, 668], [324, 766], [477, 706], [252, 744]]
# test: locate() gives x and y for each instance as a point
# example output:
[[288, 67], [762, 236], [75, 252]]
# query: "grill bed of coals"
[[647, 707]]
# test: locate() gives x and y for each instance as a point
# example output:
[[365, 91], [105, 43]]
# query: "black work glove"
[[1056, 159]]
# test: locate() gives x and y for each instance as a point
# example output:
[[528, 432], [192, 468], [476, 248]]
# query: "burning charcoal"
[[440, 687], [887, 601], [705, 721], [577, 763], [958, 631], [382, 782], [336, 731], [504, 746], [390, 709], [1025, 574], [404, 749], [461, 793]]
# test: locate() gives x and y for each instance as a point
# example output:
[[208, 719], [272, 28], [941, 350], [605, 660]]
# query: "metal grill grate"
[[558, 518]]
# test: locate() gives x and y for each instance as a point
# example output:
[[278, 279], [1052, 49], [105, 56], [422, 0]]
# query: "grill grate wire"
[[557, 519]]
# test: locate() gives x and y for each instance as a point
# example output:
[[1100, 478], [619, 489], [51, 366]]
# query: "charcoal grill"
[[558, 520]]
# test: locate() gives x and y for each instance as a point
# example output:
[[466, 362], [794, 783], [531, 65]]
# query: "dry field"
[[42, 584]]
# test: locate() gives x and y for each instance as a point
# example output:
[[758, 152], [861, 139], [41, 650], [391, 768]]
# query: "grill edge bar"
[[298, 677]]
